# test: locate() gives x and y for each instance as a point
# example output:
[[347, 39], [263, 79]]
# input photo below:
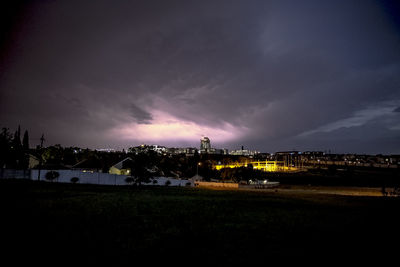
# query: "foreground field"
[[59, 223]]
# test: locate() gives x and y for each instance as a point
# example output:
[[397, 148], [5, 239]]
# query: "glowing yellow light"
[[267, 166]]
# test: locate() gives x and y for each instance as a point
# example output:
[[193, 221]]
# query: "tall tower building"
[[205, 144]]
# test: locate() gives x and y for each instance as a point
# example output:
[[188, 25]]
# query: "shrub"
[[130, 180], [74, 180], [52, 175]]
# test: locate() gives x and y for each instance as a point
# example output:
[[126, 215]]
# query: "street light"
[[197, 168]]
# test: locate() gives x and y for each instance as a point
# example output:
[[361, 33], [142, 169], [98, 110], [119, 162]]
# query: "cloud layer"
[[269, 75]]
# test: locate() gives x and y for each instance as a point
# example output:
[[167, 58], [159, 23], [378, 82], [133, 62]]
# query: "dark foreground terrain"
[[96, 225]]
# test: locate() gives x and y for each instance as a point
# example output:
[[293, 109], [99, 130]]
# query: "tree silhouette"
[[14, 154], [52, 175], [5, 148], [25, 150], [141, 168], [17, 138], [130, 180], [16, 149], [74, 180], [25, 141]]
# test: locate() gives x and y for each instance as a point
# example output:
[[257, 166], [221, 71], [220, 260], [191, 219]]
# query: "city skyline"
[[266, 75]]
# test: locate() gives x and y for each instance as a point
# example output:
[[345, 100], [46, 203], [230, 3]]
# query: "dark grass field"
[[86, 224]]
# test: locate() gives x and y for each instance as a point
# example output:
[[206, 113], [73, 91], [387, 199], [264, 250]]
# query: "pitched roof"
[[120, 165], [90, 163]]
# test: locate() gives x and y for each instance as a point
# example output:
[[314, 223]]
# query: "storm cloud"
[[268, 75]]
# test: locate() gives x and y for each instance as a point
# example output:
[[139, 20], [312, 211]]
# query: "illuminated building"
[[120, 167], [264, 165], [205, 145], [109, 150], [244, 152], [188, 151]]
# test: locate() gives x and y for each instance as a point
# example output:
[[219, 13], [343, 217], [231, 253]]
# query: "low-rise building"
[[121, 168]]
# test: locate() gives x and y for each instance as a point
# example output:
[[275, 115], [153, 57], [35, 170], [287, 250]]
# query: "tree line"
[[14, 151]]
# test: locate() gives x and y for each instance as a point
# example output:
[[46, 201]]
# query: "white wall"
[[101, 178]]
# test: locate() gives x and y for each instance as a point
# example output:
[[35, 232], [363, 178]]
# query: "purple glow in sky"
[[164, 127], [268, 75]]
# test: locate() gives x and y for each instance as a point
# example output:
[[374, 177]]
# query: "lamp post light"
[[197, 168]]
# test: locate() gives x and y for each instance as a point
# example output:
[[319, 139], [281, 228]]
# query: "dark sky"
[[268, 75]]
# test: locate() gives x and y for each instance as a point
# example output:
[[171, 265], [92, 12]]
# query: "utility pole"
[[41, 152]]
